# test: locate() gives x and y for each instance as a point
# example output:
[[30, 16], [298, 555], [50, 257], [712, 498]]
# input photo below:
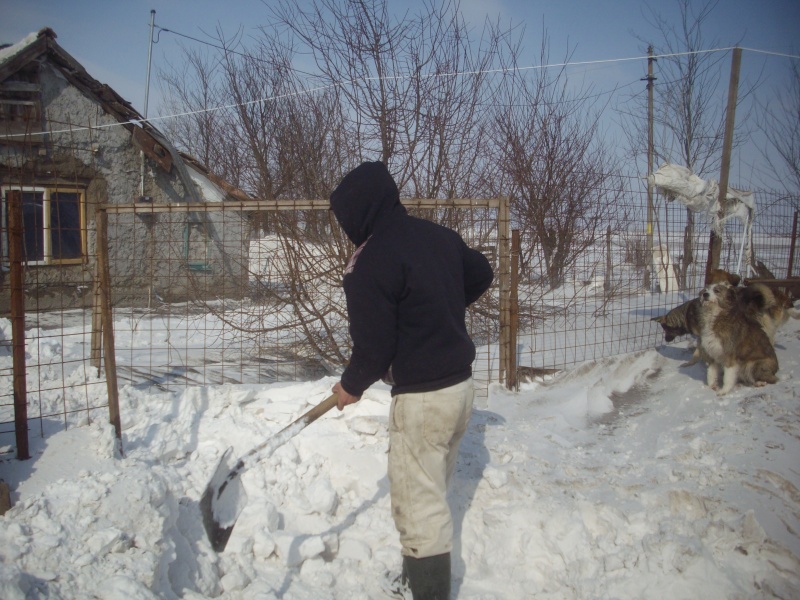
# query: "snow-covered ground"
[[623, 479]]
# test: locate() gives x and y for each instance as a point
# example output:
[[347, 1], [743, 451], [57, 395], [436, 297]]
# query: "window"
[[20, 118], [195, 246], [54, 224]]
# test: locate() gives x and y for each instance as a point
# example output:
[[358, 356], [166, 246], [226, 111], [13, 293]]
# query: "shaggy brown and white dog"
[[684, 319], [732, 339]]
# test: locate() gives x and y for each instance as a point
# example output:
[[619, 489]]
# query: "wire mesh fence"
[[605, 304], [250, 293], [46, 290]]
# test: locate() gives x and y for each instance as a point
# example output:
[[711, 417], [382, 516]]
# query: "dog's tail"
[[755, 298]]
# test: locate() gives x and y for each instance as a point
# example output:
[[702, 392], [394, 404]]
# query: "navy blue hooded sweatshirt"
[[407, 287]]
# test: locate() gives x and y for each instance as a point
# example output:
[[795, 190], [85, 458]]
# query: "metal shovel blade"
[[224, 497], [223, 501]]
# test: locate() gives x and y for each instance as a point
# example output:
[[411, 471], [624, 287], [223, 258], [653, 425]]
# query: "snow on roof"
[[14, 49], [210, 191]]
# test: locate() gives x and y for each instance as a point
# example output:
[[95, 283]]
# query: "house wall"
[[87, 148]]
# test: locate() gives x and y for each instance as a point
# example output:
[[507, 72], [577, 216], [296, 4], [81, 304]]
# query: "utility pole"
[[650, 210], [147, 91], [715, 241]]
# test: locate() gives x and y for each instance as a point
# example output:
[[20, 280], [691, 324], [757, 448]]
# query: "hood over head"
[[364, 195]]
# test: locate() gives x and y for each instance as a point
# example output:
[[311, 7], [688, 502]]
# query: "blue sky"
[[110, 37]]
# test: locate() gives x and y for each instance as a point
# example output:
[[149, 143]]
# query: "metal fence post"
[[792, 246], [16, 257], [504, 268], [608, 278], [511, 379]]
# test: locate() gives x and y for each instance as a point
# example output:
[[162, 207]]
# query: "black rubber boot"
[[428, 578]]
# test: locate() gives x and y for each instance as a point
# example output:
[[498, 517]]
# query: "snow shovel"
[[225, 497]]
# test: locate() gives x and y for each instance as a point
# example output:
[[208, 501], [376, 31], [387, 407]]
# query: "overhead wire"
[[218, 47], [316, 89]]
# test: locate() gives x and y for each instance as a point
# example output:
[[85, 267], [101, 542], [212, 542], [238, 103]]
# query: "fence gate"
[[50, 377]]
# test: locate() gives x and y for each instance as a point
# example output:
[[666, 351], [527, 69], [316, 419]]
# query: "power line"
[[194, 39], [590, 62], [770, 53], [321, 88]]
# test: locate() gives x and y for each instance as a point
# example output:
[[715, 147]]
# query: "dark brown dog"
[[769, 306], [684, 319]]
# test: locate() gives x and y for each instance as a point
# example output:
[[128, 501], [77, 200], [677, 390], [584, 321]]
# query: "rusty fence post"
[[504, 284], [608, 278], [17, 280], [513, 321], [792, 246], [96, 344]]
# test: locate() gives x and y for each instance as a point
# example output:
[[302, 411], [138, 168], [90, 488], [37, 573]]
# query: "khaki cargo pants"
[[425, 430]]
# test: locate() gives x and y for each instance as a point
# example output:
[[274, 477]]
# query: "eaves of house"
[[15, 59]]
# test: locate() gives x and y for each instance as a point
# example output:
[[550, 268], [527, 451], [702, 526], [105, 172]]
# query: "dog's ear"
[[659, 319], [727, 293], [722, 276], [782, 299]]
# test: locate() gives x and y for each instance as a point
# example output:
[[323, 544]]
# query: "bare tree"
[[689, 101], [414, 89], [551, 153], [409, 92], [252, 120], [248, 116], [453, 116], [194, 90], [780, 122], [356, 48]]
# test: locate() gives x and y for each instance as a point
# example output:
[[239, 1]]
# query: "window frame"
[[48, 190]]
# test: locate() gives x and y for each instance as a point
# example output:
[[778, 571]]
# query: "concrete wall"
[[88, 149]]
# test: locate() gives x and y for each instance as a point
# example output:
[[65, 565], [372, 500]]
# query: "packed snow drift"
[[622, 478]]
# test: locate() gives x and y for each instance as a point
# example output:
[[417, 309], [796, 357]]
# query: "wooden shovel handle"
[[320, 409]]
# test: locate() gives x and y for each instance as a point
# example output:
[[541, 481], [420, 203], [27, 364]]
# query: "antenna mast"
[[147, 89]]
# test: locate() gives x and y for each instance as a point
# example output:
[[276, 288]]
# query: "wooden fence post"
[[109, 359], [715, 241], [608, 278]]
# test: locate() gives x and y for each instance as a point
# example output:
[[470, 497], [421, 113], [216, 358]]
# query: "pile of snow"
[[621, 479]]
